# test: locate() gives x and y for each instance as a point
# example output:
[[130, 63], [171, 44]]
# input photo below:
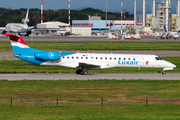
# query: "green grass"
[[25, 67], [98, 45], [79, 100]]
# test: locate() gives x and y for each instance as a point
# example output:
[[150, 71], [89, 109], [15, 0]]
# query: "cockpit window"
[[158, 58]]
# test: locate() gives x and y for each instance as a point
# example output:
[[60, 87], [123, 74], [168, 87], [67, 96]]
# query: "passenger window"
[[76, 57], [63, 57], [134, 59], [72, 57], [96, 57], [119, 58], [124, 58], [129, 58], [114, 58], [67, 57], [86, 57], [110, 58], [81, 57], [106, 58], [101, 58]]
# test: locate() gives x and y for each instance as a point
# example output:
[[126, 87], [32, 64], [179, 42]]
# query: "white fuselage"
[[16, 27], [112, 60], [174, 35]]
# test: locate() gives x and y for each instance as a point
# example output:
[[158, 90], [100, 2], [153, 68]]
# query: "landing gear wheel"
[[78, 72], [82, 72], [164, 73]]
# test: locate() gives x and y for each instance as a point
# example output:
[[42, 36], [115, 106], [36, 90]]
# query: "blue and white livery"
[[85, 61]]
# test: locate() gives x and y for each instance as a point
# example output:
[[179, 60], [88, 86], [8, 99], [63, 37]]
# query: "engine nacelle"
[[25, 20], [48, 55]]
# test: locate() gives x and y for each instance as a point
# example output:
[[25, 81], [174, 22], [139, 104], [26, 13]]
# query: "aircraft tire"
[[164, 73], [82, 72], [78, 72]]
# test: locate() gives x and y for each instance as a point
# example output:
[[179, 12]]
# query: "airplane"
[[17, 27], [85, 61], [167, 34], [133, 37]]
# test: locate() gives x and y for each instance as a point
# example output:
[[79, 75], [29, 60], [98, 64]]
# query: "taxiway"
[[99, 76]]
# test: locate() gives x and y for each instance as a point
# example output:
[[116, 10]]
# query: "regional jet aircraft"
[[18, 27], [85, 61], [169, 35]]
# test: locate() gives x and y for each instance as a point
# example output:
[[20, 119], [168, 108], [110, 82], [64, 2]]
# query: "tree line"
[[16, 15]]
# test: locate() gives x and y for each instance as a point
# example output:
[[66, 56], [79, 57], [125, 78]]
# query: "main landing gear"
[[80, 72], [164, 73]]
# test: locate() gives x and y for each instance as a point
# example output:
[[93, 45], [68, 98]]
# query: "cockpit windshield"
[[158, 58]]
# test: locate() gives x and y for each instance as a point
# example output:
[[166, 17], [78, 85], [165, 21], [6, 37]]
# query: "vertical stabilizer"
[[17, 43], [165, 28], [26, 20]]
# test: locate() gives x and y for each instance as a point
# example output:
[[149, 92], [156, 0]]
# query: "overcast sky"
[[113, 5]]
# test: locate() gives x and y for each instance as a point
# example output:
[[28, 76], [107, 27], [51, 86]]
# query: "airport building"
[[53, 27], [99, 26], [60, 28]]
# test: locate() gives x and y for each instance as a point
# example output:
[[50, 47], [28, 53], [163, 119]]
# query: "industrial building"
[[162, 17]]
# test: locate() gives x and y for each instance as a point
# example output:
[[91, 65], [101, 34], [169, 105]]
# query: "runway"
[[99, 76], [81, 38]]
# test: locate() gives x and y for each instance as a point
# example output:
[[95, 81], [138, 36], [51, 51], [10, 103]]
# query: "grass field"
[[81, 100], [98, 45], [25, 67]]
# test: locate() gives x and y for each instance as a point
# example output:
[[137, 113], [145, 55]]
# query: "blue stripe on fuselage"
[[27, 54]]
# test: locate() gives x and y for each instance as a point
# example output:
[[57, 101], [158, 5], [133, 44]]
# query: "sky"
[[112, 5]]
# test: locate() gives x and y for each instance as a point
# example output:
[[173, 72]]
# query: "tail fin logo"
[[51, 54], [16, 38]]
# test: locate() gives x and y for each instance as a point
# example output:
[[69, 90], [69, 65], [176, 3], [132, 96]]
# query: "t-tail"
[[24, 52], [26, 20]]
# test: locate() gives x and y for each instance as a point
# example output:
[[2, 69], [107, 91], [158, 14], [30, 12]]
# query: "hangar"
[[53, 27]]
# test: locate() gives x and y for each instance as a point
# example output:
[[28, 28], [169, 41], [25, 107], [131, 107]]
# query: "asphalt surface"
[[78, 38], [99, 76]]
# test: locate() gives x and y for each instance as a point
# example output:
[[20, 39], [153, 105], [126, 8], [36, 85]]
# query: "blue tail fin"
[[165, 28]]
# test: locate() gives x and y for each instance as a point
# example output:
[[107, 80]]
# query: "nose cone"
[[174, 66], [170, 65]]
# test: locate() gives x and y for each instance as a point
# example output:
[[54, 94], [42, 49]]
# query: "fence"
[[100, 101]]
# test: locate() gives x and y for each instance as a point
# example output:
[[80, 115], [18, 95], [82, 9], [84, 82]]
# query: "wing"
[[88, 66]]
